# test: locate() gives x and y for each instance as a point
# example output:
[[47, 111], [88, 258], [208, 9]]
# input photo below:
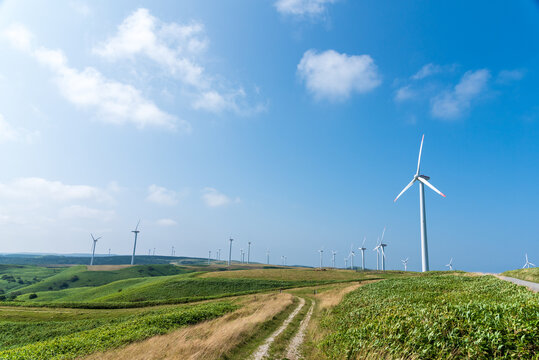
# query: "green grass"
[[435, 317], [531, 274], [72, 339], [79, 276], [13, 277]]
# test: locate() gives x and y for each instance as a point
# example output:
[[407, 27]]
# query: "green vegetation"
[[13, 277], [67, 340], [434, 317], [531, 274]]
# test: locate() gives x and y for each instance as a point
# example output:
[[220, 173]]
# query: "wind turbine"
[[230, 252], [209, 257], [267, 256], [405, 263], [282, 260], [284, 257], [219, 254], [241, 255], [377, 249], [333, 253], [450, 265], [172, 251], [136, 231], [352, 254], [93, 248], [248, 252], [345, 263], [423, 180], [528, 264], [382, 246], [109, 251], [363, 248], [321, 252]]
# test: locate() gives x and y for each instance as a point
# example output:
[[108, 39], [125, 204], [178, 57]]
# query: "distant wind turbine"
[[423, 180], [267, 256], [382, 246], [346, 263], [230, 252], [219, 254], [284, 260], [528, 264], [248, 252], [352, 254], [321, 252], [93, 248], [450, 265], [209, 257], [136, 231], [405, 263], [333, 253], [241, 255], [377, 249], [363, 248]]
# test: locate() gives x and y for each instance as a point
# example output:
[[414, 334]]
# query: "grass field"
[[13, 277], [531, 274], [71, 339], [435, 317]]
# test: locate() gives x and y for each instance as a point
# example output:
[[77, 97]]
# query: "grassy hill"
[[46, 260], [81, 276], [13, 277], [531, 274]]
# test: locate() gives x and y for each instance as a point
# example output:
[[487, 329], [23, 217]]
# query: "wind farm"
[[263, 152]]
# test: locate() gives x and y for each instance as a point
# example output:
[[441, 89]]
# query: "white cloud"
[[162, 196], [335, 76], [405, 93], [84, 212], [19, 36], [10, 134], [302, 7], [177, 48], [214, 198], [453, 104], [508, 76], [38, 189], [166, 222], [114, 101], [80, 7], [426, 71]]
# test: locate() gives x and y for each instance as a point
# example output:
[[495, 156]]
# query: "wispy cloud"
[[405, 93], [214, 198], [166, 222], [177, 48], [509, 76], [162, 196], [302, 7], [336, 76], [114, 102], [452, 104], [426, 71], [8, 133], [85, 212]]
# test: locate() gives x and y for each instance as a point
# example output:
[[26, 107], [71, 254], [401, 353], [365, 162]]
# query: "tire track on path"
[[292, 352]]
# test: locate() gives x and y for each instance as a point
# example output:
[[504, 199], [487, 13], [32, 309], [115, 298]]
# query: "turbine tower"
[[219, 254], [363, 248], [209, 257], [241, 255], [528, 264], [248, 252], [333, 253], [450, 265], [172, 251], [352, 254], [230, 252], [423, 180], [382, 247], [405, 263], [93, 248], [321, 252], [284, 257], [267, 256], [345, 263], [136, 231], [377, 249]]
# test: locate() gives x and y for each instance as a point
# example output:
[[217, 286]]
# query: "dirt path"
[[292, 352], [262, 350], [530, 285]]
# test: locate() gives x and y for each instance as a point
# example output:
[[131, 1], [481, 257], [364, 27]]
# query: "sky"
[[292, 124]]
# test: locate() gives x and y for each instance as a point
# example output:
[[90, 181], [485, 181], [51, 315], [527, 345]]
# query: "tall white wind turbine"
[[209, 257], [230, 252], [405, 263], [136, 231], [93, 248], [363, 248], [423, 180], [267, 256], [382, 247], [248, 252], [333, 253], [321, 252], [528, 264], [346, 263], [377, 249]]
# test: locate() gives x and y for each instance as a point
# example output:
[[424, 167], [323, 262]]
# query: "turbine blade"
[[92, 235], [430, 185], [419, 158], [137, 225], [383, 233], [406, 188], [364, 238]]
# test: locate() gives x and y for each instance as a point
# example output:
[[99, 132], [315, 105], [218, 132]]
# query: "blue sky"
[[292, 124]]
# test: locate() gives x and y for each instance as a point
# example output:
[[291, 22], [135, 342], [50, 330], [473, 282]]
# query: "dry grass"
[[208, 340], [285, 274], [106, 267]]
